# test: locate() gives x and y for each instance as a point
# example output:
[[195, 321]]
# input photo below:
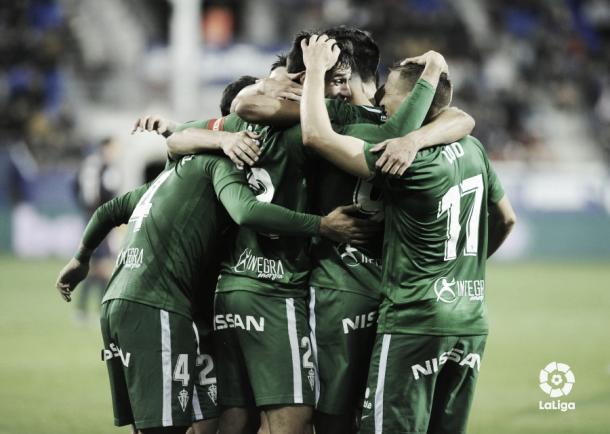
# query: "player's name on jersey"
[[130, 258], [235, 321], [449, 291], [263, 267]]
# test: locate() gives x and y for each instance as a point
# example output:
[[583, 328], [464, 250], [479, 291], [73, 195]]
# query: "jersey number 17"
[[451, 204]]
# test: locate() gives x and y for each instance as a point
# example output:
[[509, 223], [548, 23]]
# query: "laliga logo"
[[556, 379], [444, 290]]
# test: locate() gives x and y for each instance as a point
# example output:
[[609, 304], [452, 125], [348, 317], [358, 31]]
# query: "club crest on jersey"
[[213, 393], [311, 376], [183, 399], [449, 291]]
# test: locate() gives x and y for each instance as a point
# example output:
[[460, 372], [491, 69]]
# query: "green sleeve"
[[231, 123], [194, 124], [496, 192], [412, 111], [244, 209], [232, 189], [113, 213]]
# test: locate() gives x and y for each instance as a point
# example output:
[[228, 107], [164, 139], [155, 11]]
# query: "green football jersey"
[[435, 246], [170, 253], [358, 268], [265, 262], [342, 266], [173, 234]]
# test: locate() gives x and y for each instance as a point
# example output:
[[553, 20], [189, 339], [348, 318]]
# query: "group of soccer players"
[[369, 319]]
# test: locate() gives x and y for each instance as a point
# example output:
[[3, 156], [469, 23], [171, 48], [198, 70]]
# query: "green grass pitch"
[[53, 381]]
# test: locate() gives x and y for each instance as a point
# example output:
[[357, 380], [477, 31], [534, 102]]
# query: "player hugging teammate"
[[369, 319]]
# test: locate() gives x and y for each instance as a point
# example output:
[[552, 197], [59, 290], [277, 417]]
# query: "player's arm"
[[155, 124], [270, 101], [413, 110], [449, 125], [319, 55], [209, 136], [339, 226], [243, 207], [267, 110], [111, 214], [501, 220]]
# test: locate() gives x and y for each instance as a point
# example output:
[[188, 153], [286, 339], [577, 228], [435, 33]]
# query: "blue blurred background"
[[534, 74]]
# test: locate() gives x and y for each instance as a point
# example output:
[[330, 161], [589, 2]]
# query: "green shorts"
[[150, 354], [343, 326], [264, 348], [421, 384], [205, 395]]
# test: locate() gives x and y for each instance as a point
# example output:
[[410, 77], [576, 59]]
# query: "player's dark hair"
[[442, 98], [279, 62], [231, 91], [295, 55], [366, 51]]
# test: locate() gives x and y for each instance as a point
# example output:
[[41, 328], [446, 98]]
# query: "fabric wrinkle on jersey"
[[423, 295], [343, 266], [168, 252], [264, 263]]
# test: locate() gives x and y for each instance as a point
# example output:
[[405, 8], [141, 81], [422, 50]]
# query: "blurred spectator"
[[98, 181]]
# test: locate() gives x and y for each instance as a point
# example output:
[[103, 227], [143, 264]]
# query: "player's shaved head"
[[410, 73], [231, 91]]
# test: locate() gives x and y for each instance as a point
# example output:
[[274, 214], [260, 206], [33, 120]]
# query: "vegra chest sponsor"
[[263, 267], [448, 291], [130, 258]]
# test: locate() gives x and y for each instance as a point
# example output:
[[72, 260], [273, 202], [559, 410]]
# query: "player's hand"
[[242, 148], [320, 52], [341, 226], [71, 275], [429, 57], [156, 124], [398, 155], [281, 87]]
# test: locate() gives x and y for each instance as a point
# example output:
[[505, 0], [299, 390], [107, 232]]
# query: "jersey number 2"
[[450, 203]]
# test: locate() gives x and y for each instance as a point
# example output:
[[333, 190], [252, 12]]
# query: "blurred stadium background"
[[75, 74]]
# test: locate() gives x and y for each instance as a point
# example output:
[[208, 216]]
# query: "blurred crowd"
[[514, 62], [34, 110]]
